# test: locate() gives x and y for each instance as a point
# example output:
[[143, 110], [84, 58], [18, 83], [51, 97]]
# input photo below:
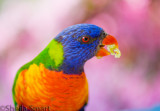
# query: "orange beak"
[[112, 47]]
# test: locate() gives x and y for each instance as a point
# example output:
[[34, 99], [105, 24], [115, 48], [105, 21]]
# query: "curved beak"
[[112, 47]]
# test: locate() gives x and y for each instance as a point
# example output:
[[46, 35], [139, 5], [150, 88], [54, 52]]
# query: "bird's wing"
[[24, 67]]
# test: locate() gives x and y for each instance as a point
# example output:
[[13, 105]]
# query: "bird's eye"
[[85, 39]]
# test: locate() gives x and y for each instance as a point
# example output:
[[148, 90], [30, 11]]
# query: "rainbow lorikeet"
[[56, 78]]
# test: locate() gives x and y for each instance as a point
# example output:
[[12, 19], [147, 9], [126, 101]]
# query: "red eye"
[[85, 39]]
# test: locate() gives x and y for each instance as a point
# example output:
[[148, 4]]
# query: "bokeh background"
[[131, 82]]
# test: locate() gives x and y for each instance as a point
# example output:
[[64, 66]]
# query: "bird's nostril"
[[101, 46]]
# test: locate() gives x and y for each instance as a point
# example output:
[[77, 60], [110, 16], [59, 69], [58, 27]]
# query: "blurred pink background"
[[131, 82]]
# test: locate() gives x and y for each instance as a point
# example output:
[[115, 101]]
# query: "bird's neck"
[[72, 67], [54, 58], [51, 56]]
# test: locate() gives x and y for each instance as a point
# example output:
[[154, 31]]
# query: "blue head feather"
[[76, 52]]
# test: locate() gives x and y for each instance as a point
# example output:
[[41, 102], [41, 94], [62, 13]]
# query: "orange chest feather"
[[40, 87]]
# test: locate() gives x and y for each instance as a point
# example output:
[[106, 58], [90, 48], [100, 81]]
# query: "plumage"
[[56, 78], [43, 89]]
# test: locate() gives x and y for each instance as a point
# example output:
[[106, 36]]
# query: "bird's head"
[[82, 42]]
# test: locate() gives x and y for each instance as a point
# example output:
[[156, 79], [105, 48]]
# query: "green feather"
[[26, 66], [51, 57]]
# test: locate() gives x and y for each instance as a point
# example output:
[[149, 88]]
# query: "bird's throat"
[[72, 67]]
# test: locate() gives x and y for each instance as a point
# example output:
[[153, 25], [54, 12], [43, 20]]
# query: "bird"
[[55, 79]]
